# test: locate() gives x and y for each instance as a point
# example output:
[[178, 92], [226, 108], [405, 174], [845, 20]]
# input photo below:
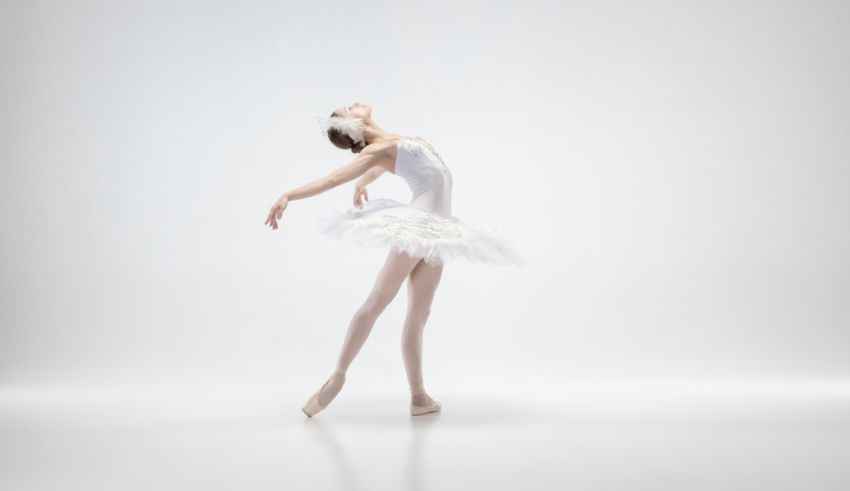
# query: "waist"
[[440, 206]]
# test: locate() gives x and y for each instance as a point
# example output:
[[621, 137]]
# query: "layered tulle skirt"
[[420, 233]]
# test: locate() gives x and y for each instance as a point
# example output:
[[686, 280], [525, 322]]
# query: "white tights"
[[423, 279]]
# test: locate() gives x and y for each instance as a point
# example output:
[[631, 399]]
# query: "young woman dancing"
[[421, 236]]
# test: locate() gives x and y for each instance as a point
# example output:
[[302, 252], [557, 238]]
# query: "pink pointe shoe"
[[417, 410], [313, 405]]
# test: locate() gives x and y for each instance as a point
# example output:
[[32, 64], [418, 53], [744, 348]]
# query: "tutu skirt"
[[420, 233]]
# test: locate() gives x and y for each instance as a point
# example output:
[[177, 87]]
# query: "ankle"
[[422, 399], [417, 389]]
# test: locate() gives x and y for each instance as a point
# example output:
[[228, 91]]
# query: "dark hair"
[[343, 141]]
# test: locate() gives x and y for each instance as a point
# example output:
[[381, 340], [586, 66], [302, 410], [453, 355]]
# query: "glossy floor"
[[606, 438]]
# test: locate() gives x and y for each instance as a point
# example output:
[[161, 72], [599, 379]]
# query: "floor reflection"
[[340, 461], [420, 426], [587, 441], [327, 434]]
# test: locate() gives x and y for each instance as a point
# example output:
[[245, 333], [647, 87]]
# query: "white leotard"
[[427, 176], [425, 227]]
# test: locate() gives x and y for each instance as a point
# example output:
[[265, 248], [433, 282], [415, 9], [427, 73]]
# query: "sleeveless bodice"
[[426, 174], [425, 227]]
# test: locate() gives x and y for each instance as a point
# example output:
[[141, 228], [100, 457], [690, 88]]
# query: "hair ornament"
[[347, 125]]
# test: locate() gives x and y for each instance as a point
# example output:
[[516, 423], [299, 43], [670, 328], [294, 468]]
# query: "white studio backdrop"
[[675, 175]]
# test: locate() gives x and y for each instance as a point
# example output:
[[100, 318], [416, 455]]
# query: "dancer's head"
[[345, 126]]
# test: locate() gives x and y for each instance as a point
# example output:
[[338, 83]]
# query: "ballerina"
[[422, 236]]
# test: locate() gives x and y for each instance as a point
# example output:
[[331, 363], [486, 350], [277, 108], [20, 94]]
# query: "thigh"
[[423, 283], [396, 268]]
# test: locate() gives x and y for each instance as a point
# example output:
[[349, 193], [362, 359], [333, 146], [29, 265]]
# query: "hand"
[[359, 194], [277, 211]]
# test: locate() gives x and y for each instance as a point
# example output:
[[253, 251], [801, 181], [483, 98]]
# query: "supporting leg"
[[422, 286]]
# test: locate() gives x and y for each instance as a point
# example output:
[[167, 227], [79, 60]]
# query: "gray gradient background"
[[676, 175]]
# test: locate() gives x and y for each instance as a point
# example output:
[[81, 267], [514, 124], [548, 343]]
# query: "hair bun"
[[357, 147]]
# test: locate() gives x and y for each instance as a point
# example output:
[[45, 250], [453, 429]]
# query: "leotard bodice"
[[427, 176]]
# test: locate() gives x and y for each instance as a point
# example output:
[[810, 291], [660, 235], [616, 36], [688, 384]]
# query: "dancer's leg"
[[396, 268], [422, 285]]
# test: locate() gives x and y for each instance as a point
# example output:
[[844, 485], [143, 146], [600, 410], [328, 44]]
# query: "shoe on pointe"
[[417, 410], [314, 405]]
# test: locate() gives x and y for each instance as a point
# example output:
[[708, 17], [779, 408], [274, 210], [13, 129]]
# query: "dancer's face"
[[363, 111]]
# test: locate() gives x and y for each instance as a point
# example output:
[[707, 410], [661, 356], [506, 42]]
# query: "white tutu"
[[418, 232]]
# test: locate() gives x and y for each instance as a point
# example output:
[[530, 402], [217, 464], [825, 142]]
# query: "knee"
[[419, 314], [378, 301]]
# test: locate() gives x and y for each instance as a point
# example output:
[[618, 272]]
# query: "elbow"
[[332, 181]]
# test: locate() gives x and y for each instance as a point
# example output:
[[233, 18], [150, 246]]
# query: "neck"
[[375, 134]]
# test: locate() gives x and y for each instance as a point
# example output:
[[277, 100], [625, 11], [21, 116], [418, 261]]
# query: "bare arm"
[[358, 167], [368, 177], [361, 164]]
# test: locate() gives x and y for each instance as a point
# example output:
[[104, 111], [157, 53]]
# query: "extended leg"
[[396, 268], [422, 285]]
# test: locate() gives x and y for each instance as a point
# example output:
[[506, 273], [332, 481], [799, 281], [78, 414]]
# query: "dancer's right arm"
[[370, 175], [361, 164], [364, 161]]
